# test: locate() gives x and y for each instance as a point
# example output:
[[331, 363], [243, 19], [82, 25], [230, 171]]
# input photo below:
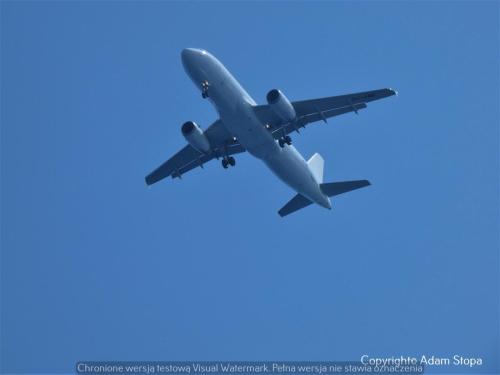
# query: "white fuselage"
[[234, 106]]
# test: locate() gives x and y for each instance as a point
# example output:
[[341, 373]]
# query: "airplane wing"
[[318, 109], [221, 142]]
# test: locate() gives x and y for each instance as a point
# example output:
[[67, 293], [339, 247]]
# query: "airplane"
[[262, 130]]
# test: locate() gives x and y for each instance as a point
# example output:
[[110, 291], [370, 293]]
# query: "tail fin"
[[336, 188], [317, 164]]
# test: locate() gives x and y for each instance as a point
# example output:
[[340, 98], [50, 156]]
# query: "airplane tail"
[[296, 203], [316, 163], [330, 189], [335, 188]]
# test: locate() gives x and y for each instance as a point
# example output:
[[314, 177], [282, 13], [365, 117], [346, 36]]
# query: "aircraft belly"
[[236, 113], [251, 134], [292, 169]]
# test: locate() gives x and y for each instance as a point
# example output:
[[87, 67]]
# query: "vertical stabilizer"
[[317, 164]]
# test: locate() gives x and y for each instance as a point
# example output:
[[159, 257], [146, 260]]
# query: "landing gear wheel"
[[204, 91], [224, 163], [288, 140], [231, 161], [281, 142]]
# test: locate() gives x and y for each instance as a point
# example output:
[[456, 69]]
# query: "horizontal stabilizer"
[[336, 188], [297, 202]]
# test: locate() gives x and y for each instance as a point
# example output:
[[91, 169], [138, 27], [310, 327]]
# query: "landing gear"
[[228, 161], [285, 140], [204, 89]]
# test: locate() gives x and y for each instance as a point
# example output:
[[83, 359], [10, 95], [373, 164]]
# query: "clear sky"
[[95, 265]]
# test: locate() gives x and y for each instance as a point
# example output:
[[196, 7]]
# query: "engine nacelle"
[[195, 137], [281, 105]]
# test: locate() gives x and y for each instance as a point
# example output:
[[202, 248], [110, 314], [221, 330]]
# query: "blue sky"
[[95, 265]]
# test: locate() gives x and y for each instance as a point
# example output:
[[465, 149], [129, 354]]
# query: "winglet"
[[394, 92]]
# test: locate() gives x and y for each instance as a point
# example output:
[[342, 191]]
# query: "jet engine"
[[281, 105], [195, 137]]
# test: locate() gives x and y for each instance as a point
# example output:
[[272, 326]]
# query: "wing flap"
[[202, 159], [318, 109], [183, 158], [304, 107], [313, 117], [221, 141]]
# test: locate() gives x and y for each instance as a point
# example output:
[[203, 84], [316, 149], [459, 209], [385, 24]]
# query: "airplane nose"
[[189, 54], [191, 59]]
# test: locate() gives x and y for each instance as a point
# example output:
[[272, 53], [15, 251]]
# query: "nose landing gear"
[[228, 161], [204, 89], [285, 140]]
